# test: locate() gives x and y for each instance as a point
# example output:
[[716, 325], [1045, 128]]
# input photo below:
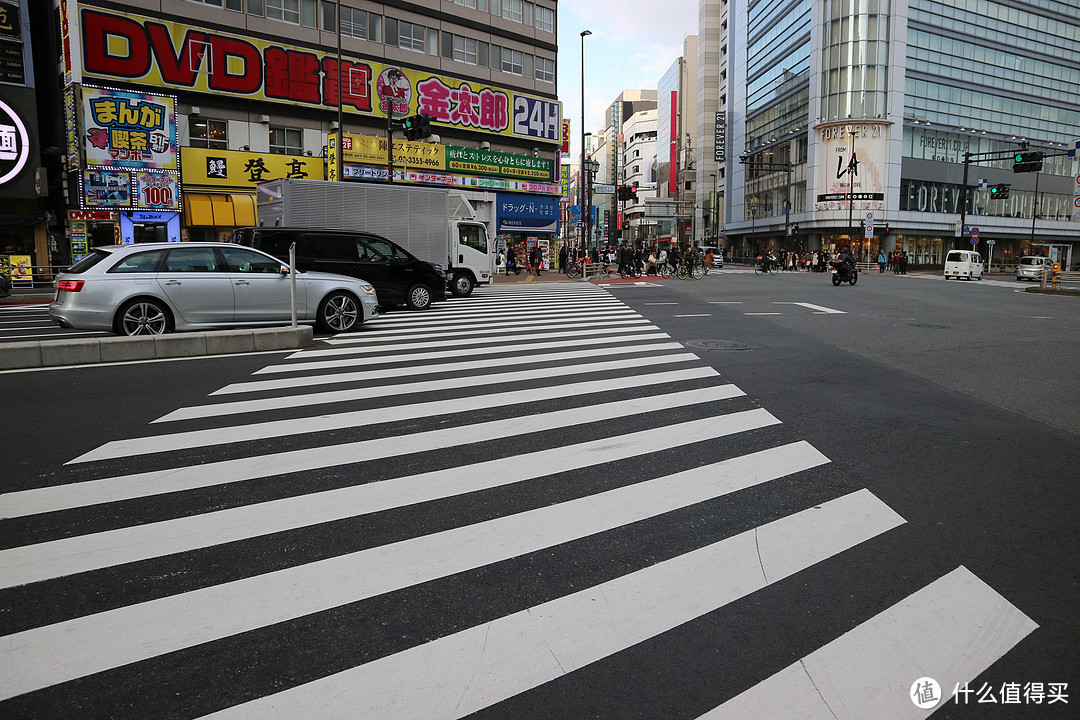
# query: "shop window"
[[286, 141], [206, 133]]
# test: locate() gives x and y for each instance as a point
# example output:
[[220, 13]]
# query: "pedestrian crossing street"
[[493, 507]]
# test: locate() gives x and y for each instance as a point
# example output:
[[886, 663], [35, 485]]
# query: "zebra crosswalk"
[[455, 512]]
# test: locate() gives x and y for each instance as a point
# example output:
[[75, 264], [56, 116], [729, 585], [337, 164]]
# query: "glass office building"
[[847, 111]]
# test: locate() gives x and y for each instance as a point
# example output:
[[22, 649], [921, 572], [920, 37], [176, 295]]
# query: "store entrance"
[[150, 232]]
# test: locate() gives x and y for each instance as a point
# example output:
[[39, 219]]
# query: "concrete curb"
[[56, 353]]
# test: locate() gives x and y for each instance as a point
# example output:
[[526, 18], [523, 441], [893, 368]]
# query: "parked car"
[[718, 257], [397, 275], [1031, 267], [154, 288]]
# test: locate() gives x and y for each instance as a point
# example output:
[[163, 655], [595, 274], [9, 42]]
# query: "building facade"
[[677, 92], [901, 115], [175, 110], [638, 151]]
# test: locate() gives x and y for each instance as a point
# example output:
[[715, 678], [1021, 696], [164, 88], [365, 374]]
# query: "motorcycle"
[[843, 272]]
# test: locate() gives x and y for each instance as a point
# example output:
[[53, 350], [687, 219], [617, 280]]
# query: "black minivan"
[[398, 276]]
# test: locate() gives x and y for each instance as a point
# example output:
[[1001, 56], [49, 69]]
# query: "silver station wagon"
[[154, 288]]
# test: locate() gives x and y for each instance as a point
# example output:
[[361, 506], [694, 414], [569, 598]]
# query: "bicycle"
[[765, 267], [573, 269]]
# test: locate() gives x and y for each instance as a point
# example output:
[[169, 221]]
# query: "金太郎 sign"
[[139, 49], [126, 129]]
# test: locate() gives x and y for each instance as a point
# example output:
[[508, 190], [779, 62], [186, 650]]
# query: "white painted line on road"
[[459, 674], [398, 322], [374, 416], [45, 656], [662, 303], [695, 315], [725, 302], [33, 563], [763, 313], [546, 335], [820, 309], [289, 383], [951, 630], [177, 479], [499, 377], [366, 337]]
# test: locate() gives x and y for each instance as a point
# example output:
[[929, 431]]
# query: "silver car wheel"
[[339, 313], [144, 318], [418, 297]]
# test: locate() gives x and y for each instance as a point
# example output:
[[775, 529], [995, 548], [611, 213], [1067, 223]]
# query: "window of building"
[[354, 23], [296, 12], [465, 50], [545, 69], [545, 19], [286, 141], [237, 5], [496, 57], [255, 7], [466, 3], [412, 36], [512, 61], [209, 134], [512, 10]]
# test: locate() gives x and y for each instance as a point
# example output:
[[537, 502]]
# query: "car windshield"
[[955, 257], [88, 262], [1028, 261]]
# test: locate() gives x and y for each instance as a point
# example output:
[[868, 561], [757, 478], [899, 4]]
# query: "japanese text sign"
[[140, 49], [126, 129], [244, 170]]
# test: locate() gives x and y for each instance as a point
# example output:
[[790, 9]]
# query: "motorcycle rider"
[[845, 263]]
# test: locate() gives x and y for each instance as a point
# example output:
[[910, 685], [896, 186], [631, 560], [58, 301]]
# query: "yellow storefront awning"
[[219, 210]]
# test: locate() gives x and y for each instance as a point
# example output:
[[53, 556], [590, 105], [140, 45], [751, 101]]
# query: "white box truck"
[[436, 225]]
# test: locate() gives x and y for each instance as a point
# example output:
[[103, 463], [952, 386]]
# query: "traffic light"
[[1028, 161], [627, 192], [999, 192], [885, 229], [795, 229], [417, 127]]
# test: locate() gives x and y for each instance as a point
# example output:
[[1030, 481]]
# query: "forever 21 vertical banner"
[[719, 138]]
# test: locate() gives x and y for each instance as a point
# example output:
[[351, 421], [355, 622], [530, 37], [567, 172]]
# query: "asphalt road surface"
[[562, 501]]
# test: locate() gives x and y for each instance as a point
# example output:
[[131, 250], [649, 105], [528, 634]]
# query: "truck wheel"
[[339, 312], [462, 285], [418, 297]]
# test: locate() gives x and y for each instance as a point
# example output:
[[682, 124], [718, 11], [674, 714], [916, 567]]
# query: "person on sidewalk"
[[511, 262], [562, 260], [881, 260], [537, 260]]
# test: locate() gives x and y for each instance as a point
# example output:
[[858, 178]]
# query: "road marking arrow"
[[820, 310]]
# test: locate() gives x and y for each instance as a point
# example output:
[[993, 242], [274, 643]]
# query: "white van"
[[963, 264]]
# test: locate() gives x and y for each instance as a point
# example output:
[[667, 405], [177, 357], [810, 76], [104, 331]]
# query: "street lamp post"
[[583, 175]]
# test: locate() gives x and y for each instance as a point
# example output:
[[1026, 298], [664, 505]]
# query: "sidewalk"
[[546, 276], [27, 296]]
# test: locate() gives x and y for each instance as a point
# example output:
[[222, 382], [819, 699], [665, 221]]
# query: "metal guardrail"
[[1056, 277], [41, 276]]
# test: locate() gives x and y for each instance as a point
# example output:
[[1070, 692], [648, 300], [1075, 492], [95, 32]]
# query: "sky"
[[633, 43]]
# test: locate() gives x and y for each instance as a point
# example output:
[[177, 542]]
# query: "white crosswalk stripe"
[[542, 446]]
